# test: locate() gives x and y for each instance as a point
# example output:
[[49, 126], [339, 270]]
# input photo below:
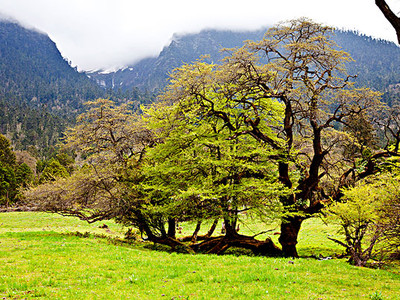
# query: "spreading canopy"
[[260, 132]]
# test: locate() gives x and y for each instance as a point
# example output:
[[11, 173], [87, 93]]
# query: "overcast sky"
[[105, 34]]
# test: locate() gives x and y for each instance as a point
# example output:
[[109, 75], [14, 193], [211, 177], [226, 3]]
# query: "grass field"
[[39, 258]]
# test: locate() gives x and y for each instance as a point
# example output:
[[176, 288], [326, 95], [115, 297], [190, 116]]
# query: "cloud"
[[105, 34]]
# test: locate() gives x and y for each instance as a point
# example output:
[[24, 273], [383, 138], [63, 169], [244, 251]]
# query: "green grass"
[[39, 259]]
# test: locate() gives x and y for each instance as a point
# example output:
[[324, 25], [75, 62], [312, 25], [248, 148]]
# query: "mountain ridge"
[[33, 71], [39, 90], [152, 73]]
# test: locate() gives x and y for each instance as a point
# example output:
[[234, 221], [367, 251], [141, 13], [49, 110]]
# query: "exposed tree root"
[[219, 245], [172, 242]]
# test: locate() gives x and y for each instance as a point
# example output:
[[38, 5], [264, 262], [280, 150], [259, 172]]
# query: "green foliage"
[[369, 215], [53, 170], [7, 156], [207, 167], [358, 207], [23, 175]]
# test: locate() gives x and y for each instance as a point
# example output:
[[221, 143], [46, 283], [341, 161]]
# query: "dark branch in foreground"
[[390, 16]]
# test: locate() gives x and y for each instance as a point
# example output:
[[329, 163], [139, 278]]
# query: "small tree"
[[357, 217], [7, 185], [368, 215], [8, 182], [52, 171], [7, 155], [23, 175]]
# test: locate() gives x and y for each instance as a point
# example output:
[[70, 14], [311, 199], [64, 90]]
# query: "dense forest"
[[28, 126]]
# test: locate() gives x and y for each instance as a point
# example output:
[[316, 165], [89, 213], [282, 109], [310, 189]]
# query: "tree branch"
[[390, 16]]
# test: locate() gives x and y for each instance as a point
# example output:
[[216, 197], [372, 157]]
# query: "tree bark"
[[212, 229], [201, 237], [390, 16], [195, 233], [219, 245], [171, 227], [290, 228]]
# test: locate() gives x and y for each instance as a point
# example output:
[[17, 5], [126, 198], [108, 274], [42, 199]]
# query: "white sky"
[[105, 34]]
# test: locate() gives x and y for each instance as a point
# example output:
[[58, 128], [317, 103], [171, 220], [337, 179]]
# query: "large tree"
[[176, 164], [204, 162], [259, 132], [302, 69]]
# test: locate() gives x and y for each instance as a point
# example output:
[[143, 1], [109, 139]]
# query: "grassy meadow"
[[42, 256]]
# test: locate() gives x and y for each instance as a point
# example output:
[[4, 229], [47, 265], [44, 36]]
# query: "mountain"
[[39, 91], [376, 61], [33, 71], [151, 73]]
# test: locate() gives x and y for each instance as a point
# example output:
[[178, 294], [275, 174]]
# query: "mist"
[[110, 34]]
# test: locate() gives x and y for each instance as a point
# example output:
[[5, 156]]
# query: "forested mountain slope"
[[33, 71], [376, 61], [26, 126], [40, 93], [39, 90]]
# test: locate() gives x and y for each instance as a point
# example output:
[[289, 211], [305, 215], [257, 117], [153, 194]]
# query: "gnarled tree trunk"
[[218, 245], [290, 228]]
